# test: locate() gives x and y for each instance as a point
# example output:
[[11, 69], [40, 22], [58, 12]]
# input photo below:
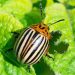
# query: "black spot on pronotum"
[[35, 27], [45, 30], [41, 27]]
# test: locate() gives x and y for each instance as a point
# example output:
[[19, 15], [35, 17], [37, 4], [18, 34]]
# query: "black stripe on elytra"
[[36, 33], [19, 39], [40, 55], [22, 40], [29, 48], [39, 51], [34, 36], [34, 50], [23, 51]]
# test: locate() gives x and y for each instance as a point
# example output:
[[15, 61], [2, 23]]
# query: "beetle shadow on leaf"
[[33, 17], [41, 68], [8, 52], [56, 45]]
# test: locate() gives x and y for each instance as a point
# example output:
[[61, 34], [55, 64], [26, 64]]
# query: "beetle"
[[33, 43]]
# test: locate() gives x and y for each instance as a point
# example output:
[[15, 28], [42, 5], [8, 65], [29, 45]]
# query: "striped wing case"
[[30, 46]]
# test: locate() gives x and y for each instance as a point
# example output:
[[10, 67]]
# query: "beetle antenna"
[[56, 21], [41, 8]]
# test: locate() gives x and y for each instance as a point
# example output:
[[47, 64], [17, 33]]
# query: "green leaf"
[[8, 63], [2, 2], [49, 2], [16, 14], [72, 18], [33, 17], [69, 2], [17, 7], [62, 63], [7, 24], [34, 1]]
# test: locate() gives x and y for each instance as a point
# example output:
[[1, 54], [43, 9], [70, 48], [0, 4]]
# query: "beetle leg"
[[16, 34], [50, 56], [29, 68], [46, 52]]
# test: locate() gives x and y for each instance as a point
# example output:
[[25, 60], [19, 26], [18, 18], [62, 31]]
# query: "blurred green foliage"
[[18, 14]]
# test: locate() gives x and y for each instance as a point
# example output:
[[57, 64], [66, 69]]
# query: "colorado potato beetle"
[[33, 43]]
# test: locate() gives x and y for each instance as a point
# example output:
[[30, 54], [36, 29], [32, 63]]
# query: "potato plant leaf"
[[17, 14], [17, 7]]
